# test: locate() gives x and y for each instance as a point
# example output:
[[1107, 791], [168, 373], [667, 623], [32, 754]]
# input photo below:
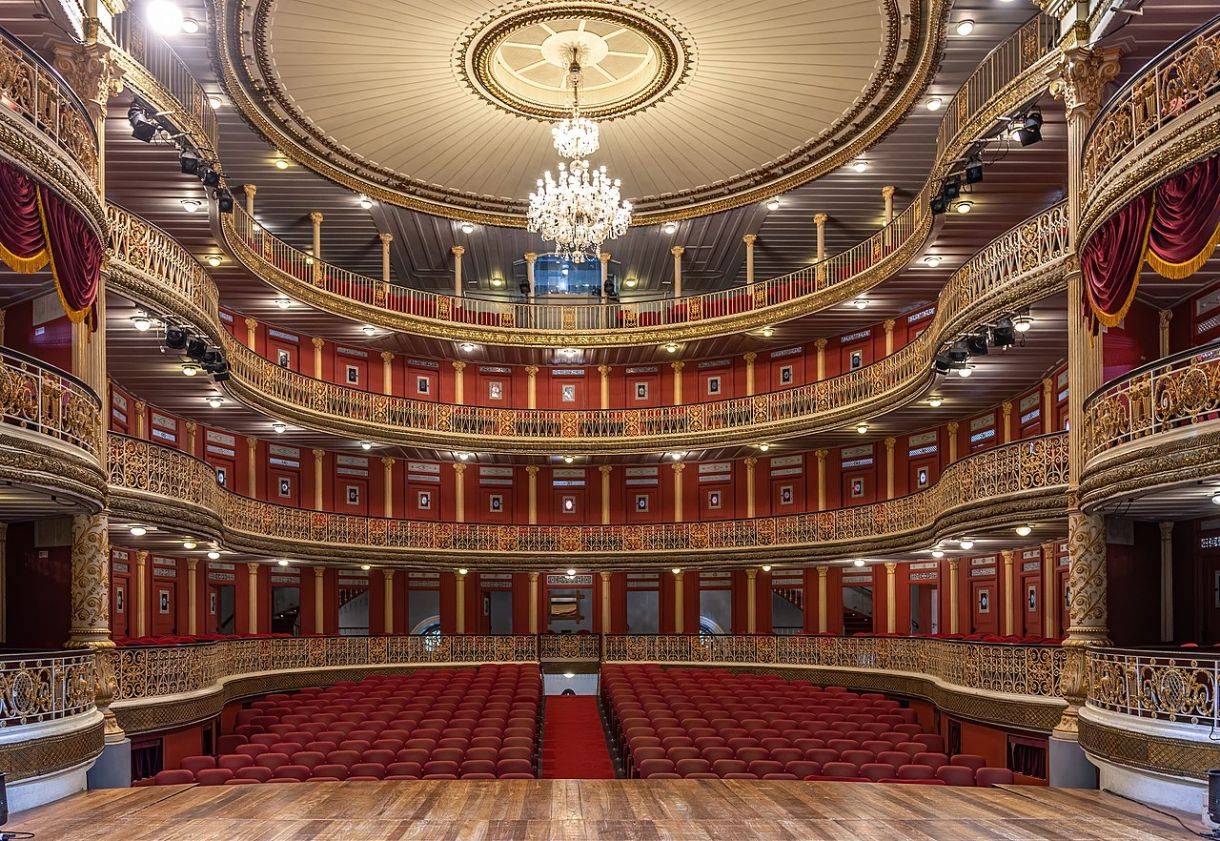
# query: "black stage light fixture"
[[176, 337], [976, 344], [524, 287], [224, 200], [189, 160], [143, 127], [939, 204], [958, 352], [1003, 335], [208, 175], [942, 364], [952, 187], [974, 170], [220, 376], [210, 358], [1029, 130], [196, 348]]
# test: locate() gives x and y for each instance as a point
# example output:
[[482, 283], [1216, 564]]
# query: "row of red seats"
[[432, 724]]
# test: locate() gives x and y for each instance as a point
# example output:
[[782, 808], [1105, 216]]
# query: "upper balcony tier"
[[1023, 266]]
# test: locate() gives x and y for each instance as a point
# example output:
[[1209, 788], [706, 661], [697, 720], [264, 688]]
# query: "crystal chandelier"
[[583, 207]]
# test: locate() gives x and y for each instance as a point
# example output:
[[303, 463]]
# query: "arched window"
[[708, 627]]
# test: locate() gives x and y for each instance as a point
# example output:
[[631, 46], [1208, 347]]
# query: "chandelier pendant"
[[583, 207]]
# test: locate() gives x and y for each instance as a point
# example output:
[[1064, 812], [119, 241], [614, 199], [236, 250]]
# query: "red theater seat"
[[176, 776], [213, 776], [993, 777]]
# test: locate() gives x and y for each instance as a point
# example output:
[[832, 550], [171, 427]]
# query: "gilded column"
[[192, 432], [606, 625], [530, 259], [1166, 580], [141, 414], [319, 599], [751, 601], [317, 357], [387, 372], [820, 344], [533, 602], [821, 456], [1163, 331], [819, 219], [951, 428], [252, 464], [459, 593], [250, 190], [316, 218], [749, 357], [141, 590], [459, 382], [319, 459], [251, 332], [749, 240], [953, 607], [679, 595], [604, 370], [386, 238], [1048, 406], [387, 466], [678, 468], [1050, 599], [1010, 586], [531, 386], [888, 326], [90, 605], [252, 583], [532, 471], [388, 600], [677, 251], [823, 597], [677, 366], [887, 195], [458, 251], [1006, 420], [192, 596], [751, 463], [605, 470], [604, 258], [891, 597], [889, 467], [459, 493]]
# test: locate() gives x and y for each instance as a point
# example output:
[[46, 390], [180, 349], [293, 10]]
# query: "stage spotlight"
[[176, 338], [224, 200], [958, 353], [939, 204], [952, 187], [208, 175], [188, 161], [1003, 335], [143, 127], [1029, 129], [942, 364], [196, 348], [976, 344], [974, 170]]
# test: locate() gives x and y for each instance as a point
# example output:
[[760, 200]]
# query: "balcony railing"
[[1176, 392], [570, 648], [1165, 90], [32, 89], [1166, 686], [1034, 465], [45, 686], [1006, 267], [1030, 670], [145, 672], [47, 401]]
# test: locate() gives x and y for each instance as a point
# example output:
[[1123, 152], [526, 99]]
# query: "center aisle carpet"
[[574, 744]]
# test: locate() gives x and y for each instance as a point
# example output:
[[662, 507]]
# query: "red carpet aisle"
[[574, 744]]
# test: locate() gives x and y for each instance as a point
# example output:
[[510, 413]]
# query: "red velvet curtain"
[[1110, 261], [37, 228], [1186, 221]]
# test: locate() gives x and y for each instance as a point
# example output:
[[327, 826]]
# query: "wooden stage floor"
[[622, 810]]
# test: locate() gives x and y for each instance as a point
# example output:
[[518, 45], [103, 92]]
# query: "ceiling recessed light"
[[366, 567], [764, 446], [281, 163], [468, 347], [670, 228], [862, 428], [766, 567], [1216, 498], [282, 562], [938, 553], [631, 282], [935, 402], [569, 675], [365, 203], [190, 26], [189, 544], [141, 322], [368, 330], [213, 555], [191, 205], [932, 260], [964, 26], [283, 303], [768, 332], [215, 101], [571, 573], [1021, 323], [461, 570], [164, 17], [859, 165], [857, 563], [280, 427], [671, 347], [463, 456], [967, 543], [964, 207], [138, 531], [214, 260], [366, 445], [497, 281], [568, 351], [965, 371], [676, 570], [467, 228], [1024, 531], [216, 401], [676, 456], [569, 459], [934, 103], [772, 204], [190, 369], [860, 303]]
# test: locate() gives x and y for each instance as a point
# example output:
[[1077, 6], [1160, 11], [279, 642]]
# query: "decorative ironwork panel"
[[46, 686]]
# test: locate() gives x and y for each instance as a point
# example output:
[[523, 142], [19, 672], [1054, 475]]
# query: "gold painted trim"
[[1174, 757], [42, 757]]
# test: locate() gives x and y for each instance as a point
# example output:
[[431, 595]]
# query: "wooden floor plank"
[[597, 810]]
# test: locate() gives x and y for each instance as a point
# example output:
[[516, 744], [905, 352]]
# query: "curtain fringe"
[[1115, 319], [75, 316], [1183, 270]]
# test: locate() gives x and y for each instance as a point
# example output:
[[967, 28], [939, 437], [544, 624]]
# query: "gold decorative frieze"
[[1022, 480]]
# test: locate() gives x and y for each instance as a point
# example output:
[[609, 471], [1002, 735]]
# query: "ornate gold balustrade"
[[1013, 685], [570, 648], [166, 686], [1023, 265], [1154, 426], [1009, 76], [1019, 481], [46, 129], [1165, 117], [45, 686], [37, 397], [1156, 710]]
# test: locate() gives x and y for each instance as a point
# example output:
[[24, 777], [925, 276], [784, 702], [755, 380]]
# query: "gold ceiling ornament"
[[517, 58]]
